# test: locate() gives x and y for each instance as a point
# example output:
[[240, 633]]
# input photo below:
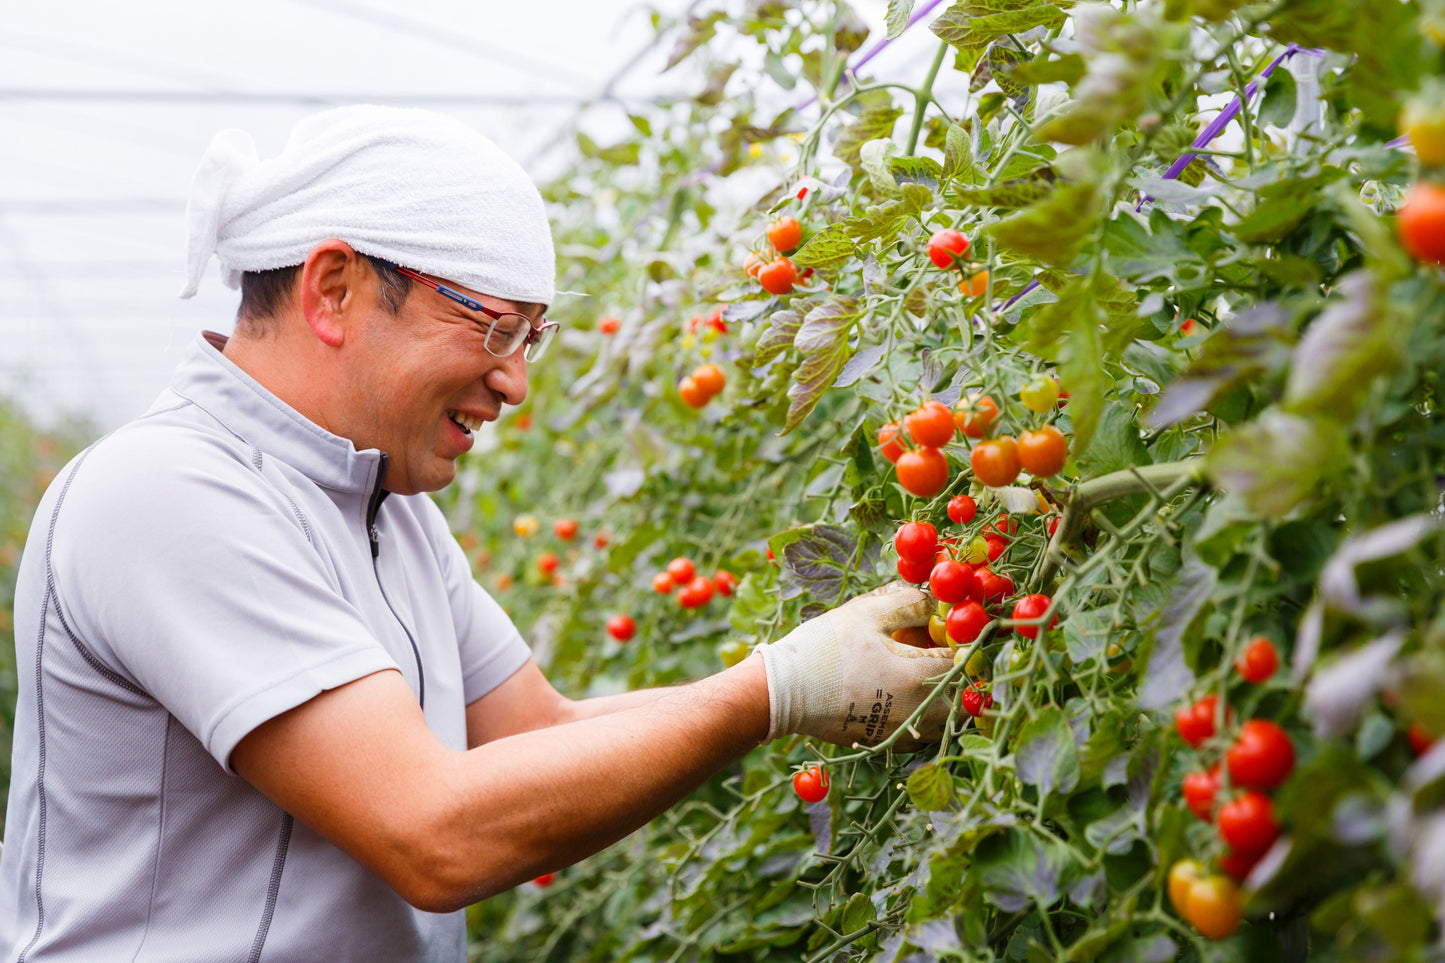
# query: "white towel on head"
[[409, 186]]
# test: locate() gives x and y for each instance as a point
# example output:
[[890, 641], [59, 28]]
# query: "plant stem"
[[925, 94]]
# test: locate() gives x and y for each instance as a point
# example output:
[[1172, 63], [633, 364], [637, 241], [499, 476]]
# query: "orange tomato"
[[975, 285], [976, 416], [995, 462], [1042, 453], [693, 394], [784, 234], [888, 444], [710, 378], [1421, 222], [923, 472], [930, 425]]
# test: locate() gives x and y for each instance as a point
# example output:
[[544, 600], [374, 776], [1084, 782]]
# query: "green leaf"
[[1053, 228], [1116, 444], [880, 220], [1353, 341], [930, 787], [874, 157], [916, 170], [1278, 461], [1282, 205], [1168, 675], [858, 912], [1152, 948], [782, 330], [1010, 195], [828, 247], [818, 562], [1252, 345], [995, 68], [958, 161], [1159, 249], [699, 31], [1046, 757], [823, 342], [976, 23], [1020, 869], [876, 121], [624, 154], [1068, 69], [898, 13]]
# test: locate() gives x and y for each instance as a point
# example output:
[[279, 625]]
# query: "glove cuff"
[[794, 664]]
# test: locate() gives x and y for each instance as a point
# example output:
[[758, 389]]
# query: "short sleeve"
[[491, 647], [191, 576]]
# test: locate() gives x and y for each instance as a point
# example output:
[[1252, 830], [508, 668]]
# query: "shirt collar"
[[210, 380]]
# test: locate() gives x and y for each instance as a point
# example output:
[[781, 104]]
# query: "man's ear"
[[330, 284]]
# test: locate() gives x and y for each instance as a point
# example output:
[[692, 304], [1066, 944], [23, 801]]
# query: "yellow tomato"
[[526, 526]]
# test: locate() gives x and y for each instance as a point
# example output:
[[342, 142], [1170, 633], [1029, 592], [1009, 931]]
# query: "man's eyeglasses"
[[506, 332]]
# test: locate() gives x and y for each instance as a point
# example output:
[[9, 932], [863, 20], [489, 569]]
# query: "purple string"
[[877, 48]]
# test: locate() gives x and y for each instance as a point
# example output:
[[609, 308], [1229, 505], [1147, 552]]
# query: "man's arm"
[[527, 701], [446, 829]]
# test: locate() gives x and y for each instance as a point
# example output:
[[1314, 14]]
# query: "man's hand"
[[842, 678]]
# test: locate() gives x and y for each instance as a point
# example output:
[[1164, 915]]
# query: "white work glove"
[[842, 678]]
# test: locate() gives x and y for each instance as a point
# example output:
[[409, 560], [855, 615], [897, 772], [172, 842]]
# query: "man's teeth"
[[468, 423]]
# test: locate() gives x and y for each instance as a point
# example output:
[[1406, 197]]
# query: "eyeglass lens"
[[509, 331]]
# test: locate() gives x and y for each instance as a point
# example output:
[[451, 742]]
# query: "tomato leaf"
[[1342, 690], [877, 120], [1022, 869], [1167, 675], [1283, 204], [1278, 461], [699, 31], [958, 163], [823, 341], [930, 787], [828, 247], [975, 23], [1047, 757], [782, 329], [898, 13], [1151, 948], [1052, 229], [1253, 344], [858, 912], [818, 562], [1354, 340]]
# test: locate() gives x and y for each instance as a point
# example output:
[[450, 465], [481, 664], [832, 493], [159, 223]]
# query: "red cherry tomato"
[[995, 462], [930, 425], [565, 529], [1258, 660], [545, 880], [946, 247], [993, 585], [811, 784], [681, 570], [784, 234], [725, 581], [962, 509], [915, 572], [889, 444], [602, 539], [1196, 722], [1239, 865], [1032, 607], [1420, 738], [1042, 453], [922, 472], [1262, 756], [1247, 823], [965, 621], [621, 627], [974, 700], [916, 541], [609, 325], [952, 582], [547, 563], [717, 322], [662, 583], [1421, 222], [696, 594], [709, 378], [693, 394], [996, 547], [778, 276], [976, 415], [1003, 529], [1200, 788]]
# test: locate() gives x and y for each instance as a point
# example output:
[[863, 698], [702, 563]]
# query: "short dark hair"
[[264, 293]]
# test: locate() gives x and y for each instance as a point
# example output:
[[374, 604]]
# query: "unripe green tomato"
[[1040, 394], [1019, 660], [732, 653], [977, 551]]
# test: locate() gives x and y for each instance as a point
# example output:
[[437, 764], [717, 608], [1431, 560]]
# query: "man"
[[266, 713]]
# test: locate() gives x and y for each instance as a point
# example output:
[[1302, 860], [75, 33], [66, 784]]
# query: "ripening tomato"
[[1200, 788], [916, 541], [545, 880], [602, 539], [1042, 453], [965, 621], [1196, 722], [889, 444], [931, 425], [1032, 607], [565, 529], [717, 322], [976, 415], [662, 583], [995, 462], [1052, 524], [946, 247], [1247, 823], [547, 563], [976, 552], [1419, 738], [1040, 394], [1258, 660], [778, 276], [962, 509], [784, 234], [725, 581], [952, 582], [811, 784], [922, 472], [1423, 121], [975, 285], [1421, 222], [752, 264], [609, 325], [681, 570], [1189, 328], [1262, 756], [915, 573], [733, 652], [1003, 528], [693, 395], [1214, 907], [621, 627], [710, 378], [974, 700], [1183, 875]]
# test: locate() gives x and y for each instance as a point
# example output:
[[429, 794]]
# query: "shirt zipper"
[[378, 494]]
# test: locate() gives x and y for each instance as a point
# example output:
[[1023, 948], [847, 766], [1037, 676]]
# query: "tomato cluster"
[[694, 591], [1420, 221], [705, 383], [777, 274]]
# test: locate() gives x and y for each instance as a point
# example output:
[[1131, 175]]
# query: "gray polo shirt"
[[193, 574]]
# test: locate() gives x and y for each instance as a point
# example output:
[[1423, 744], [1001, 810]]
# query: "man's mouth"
[[467, 423]]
